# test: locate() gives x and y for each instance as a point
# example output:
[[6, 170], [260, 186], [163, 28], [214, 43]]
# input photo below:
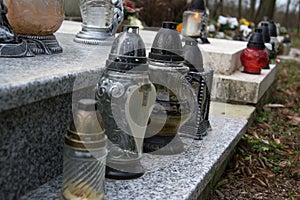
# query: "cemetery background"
[[267, 159], [261, 168]]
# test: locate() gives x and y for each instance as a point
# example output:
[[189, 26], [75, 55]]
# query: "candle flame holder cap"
[[265, 31], [164, 50], [128, 51], [256, 40], [197, 5], [272, 29], [192, 55]]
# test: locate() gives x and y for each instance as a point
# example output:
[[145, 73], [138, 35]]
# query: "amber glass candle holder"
[[36, 21], [10, 44]]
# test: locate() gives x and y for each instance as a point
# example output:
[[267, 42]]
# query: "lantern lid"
[[86, 119], [256, 40], [272, 29], [197, 5], [87, 104], [192, 55], [265, 31], [128, 51], [287, 39], [167, 45]]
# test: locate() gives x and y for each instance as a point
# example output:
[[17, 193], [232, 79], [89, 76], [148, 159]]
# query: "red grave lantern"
[[255, 57]]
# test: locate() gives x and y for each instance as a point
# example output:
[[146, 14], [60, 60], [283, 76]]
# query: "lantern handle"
[[118, 15]]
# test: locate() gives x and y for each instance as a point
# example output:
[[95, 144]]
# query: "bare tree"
[[266, 9], [252, 9], [298, 26], [286, 16], [221, 5], [240, 9]]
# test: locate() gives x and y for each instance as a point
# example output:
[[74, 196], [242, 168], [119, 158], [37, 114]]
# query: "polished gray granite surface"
[[179, 177], [31, 144], [27, 80]]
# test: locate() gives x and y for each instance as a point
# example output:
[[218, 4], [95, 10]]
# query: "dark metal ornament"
[[201, 81], [10, 44], [124, 98], [203, 39], [43, 44], [174, 95]]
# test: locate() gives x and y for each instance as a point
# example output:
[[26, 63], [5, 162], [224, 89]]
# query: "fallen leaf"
[[277, 141], [261, 163], [296, 197], [294, 120], [265, 126], [248, 171], [265, 141], [255, 135], [220, 194], [260, 182], [273, 106], [267, 172]]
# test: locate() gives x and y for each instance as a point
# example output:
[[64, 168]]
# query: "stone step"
[[230, 84], [182, 176], [243, 88], [36, 96]]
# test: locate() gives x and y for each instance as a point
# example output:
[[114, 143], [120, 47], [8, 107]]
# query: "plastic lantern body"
[[10, 44], [286, 44], [84, 156], [125, 97], [273, 40], [255, 57], [101, 19], [195, 21], [36, 21], [201, 81], [267, 39], [174, 95]]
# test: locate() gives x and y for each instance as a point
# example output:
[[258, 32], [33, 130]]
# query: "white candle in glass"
[[193, 24]]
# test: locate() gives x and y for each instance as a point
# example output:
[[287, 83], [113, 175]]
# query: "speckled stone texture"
[[27, 80], [31, 144], [36, 95], [223, 56], [243, 88], [170, 177]]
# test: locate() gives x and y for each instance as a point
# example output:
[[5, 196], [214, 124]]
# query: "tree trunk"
[[252, 10], [221, 7], [207, 4], [266, 9], [298, 17], [240, 9], [286, 16], [214, 10]]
